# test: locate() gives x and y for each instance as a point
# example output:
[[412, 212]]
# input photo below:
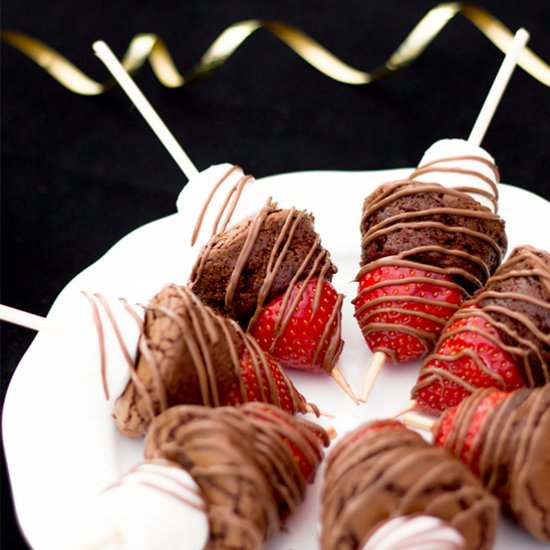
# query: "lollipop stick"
[[410, 406], [145, 108], [338, 377], [418, 422], [378, 360], [28, 320], [497, 89]]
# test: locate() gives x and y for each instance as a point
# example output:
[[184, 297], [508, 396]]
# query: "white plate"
[[61, 444]]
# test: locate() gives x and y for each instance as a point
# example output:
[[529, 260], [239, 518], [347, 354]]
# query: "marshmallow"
[[155, 505], [415, 533], [211, 194], [445, 163]]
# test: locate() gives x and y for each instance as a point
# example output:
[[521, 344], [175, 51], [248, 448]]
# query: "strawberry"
[[469, 355], [469, 451], [264, 382], [302, 327], [402, 310], [303, 438]]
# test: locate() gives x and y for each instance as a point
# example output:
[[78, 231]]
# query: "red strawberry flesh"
[[307, 458], [467, 453], [302, 335], [257, 388], [471, 352], [402, 310]]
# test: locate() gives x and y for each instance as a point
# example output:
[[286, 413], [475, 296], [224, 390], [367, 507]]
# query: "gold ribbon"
[[150, 47]]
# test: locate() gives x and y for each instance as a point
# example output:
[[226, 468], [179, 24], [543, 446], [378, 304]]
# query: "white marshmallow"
[[195, 194], [415, 533], [441, 154], [153, 506]]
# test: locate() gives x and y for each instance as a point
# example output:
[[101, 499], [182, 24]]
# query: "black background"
[[79, 173]]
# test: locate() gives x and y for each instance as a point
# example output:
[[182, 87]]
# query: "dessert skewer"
[[382, 471], [299, 322], [504, 438], [499, 338], [408, 291], [223, 478]]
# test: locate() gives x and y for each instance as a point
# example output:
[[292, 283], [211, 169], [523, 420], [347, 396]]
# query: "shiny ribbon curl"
[[150, 47]]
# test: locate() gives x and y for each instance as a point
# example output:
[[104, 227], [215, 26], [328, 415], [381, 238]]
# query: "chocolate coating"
[[188, 354], [511, 452], [381, 471]]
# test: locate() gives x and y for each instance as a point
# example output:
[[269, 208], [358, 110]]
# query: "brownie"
[[518, 297], [287, 236], [401, 216], [382, 470], [188, 354]]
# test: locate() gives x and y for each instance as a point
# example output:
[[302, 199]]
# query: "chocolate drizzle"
[[275, 252], [516, 303], [165, 481], [510, 452], [383, 471], [424, 226], [435, 167], [188, 354], [243, 462]]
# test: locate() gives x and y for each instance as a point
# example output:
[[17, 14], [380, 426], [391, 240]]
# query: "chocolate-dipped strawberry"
[[505, 439], [424, 249], [283, 450], [500, 338], [430, 240], [271, 274], [188, 354], [382, 471]]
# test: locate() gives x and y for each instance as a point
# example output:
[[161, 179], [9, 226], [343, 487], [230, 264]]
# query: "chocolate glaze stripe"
[[284, 239], [389, 225], [415, 188], [129, 478], [204, 208], [333, 349], [523, 319], [402, 262], [460, 426], [392, 309], [236, 193], [475, 158], [416, 299], [251, 237], [523, 352]]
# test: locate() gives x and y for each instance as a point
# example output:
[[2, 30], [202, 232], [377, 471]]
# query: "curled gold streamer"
[[150, 47]]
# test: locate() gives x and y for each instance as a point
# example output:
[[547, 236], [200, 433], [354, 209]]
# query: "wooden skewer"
[[377, 363], [410, 406], [497, 89], [28, 320], [136, 96], [476, 136], [418, 421], [338, 377]]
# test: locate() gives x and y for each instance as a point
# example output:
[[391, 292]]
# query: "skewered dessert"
[[505, 440], [188, 354], [500, 338], [271, 274], [414, 232], [382, 470], [252, 464]]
